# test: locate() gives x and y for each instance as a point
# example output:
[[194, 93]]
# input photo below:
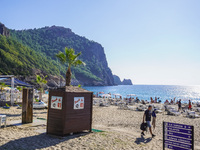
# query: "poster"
[[78, 102], [56, 102]]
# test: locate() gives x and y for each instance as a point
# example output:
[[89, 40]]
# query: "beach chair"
[[3, 120], [159, 108], [173, 112], [131, 107], [192, 114], [141, 108], [158, 111], [168, 107]]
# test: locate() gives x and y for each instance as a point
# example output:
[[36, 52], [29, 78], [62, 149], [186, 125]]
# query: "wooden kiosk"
[[69, 111]]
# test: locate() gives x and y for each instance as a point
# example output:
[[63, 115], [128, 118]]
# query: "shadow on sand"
[[34, 112], [12, 115], [142, 140], [38, 141]]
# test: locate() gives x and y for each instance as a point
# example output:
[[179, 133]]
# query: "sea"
[[144, 92]]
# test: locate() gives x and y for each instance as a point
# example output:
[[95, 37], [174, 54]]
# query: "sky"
[[149, 42]]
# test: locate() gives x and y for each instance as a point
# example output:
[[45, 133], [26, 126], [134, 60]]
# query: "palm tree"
[[41, 81], [71, 59]]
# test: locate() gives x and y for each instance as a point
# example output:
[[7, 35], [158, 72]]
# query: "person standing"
[[147, 118], [154, 119], [190, 105], [179, 104]]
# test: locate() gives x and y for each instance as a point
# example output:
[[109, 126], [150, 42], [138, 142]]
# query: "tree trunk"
[[68, 77]]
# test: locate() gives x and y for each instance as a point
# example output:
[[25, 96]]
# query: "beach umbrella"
[[117, 94], [106, 95], [131, 95]]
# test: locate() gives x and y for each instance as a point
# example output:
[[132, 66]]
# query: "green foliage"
[[7, 105], [19, 88], [41, 81], [2, 85], [69, 57], [18, 59], [79, 86]]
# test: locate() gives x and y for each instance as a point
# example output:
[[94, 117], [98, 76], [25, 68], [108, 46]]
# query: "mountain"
[[117, 80], [42, 44], [127, 82]]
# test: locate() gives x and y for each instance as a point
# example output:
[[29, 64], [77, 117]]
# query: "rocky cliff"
[[3, 30], [117, 80], [127, 82]]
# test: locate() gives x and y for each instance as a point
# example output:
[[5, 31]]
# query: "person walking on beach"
[[147, 118], [179, 104], [190, 105]]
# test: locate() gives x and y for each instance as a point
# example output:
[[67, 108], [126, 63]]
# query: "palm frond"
[[78, 62], [41, 80], [62, 57]]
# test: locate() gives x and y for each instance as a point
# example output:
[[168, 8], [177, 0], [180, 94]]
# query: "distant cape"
[[117, 81]]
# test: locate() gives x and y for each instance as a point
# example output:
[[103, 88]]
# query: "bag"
[[143, 126]]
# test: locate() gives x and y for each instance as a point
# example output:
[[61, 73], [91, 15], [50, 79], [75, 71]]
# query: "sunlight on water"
[[147, 91]]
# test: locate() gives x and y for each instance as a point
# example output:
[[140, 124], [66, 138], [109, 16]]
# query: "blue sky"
[[150, 42]]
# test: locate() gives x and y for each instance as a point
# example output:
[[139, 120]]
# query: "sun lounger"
[[192, 114], [158, 111], [39, 105], [141, 107], [131, 107], [173, 112], [168, 107]]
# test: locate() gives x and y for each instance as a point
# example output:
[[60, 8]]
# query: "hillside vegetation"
[[18, 59], [45, 42]]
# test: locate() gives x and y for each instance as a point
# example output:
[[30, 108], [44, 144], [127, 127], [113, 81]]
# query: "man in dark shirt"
[[147, 118]]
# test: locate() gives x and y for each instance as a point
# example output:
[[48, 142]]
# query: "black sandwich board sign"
[[178, 136]]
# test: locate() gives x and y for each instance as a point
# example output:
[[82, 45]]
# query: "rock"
[[117, 80], [127, 82], [3, 30]]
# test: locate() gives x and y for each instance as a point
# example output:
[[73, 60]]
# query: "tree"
[[19, 88], [71, 59], [41, 81]]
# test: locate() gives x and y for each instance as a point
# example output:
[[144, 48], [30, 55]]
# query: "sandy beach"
[[121, 131]]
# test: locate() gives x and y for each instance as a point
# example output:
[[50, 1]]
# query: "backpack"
[[143, 126]]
